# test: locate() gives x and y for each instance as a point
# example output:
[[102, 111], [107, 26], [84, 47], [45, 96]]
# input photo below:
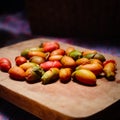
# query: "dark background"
[[11, 6], [76, 18], [69, 18]]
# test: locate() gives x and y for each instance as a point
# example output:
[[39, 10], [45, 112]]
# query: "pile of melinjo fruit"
[[48, 63]]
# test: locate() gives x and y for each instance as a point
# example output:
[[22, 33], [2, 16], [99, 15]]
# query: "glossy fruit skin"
[[36, 53], [65, 75], [57, 63], [82, 61], [33, 74], [89, 55], [96, 61], [96, 68], [5, 64], [109, 61], [50, 46], [92, 52], [27, 65], [25, 52], [55, 57], [50, 75], [58, 52], [50, 64], [99, 57], [16, 73], [68, 62], [37, 59], [75, 54], [20, 60], [85, 76], [69, 49], [110, 69]]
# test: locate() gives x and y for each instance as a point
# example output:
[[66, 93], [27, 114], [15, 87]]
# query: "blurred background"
[[68, 18], [13, 21]]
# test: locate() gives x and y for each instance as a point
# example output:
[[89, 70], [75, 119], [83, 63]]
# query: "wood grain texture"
[[57, 101]]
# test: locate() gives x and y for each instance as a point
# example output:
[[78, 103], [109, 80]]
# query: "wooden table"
[[58, 101]]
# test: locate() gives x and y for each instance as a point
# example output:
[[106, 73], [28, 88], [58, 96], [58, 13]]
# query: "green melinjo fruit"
[[33, 74], [75, 54]]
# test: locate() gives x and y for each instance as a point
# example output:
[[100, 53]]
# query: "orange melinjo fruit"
[[68, 62], [96, 68], [69, 49], [85, 76], [17, 73], [65, 74]]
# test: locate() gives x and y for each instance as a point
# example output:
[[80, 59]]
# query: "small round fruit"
[[5, 64], [20, 60]]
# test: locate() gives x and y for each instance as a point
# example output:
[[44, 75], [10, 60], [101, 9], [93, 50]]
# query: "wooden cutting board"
[[57, 101]]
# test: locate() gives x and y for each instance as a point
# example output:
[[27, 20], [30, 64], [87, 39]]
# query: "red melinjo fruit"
[[20, 60], [5, 64]]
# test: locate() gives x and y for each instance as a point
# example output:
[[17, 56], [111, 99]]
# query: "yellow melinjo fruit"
[[85, 76], [82, 61], [69, 49], [68, 62], [96, 68], [89, 52], [65, 74]]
